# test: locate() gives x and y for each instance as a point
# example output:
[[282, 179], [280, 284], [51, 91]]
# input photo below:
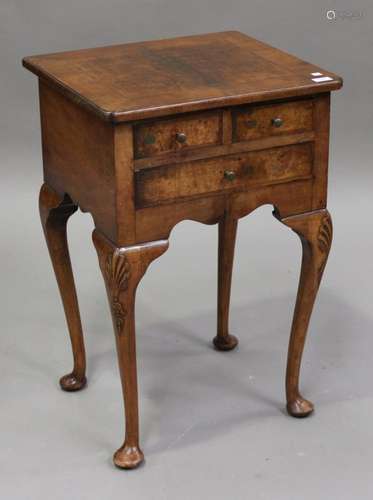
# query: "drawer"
[[174, 134], [256, 122], [223, 174]]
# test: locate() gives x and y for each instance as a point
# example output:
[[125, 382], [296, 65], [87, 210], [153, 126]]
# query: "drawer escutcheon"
[[149, 139]]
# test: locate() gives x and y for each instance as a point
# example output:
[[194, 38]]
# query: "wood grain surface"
[[157, 78]]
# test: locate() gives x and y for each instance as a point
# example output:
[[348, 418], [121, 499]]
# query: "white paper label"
[[322, 79]]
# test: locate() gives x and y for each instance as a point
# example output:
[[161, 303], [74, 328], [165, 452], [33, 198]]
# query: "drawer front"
[[165, 136], [223, 174], [255, 122]]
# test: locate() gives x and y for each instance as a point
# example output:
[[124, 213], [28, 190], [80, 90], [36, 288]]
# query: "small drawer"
[[174, 134], [228, 173], [256, 122]]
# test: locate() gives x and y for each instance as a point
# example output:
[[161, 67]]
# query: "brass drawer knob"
[[277, 122], [230, 175], [181, 137]]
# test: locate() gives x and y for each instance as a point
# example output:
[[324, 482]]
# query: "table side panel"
[[78, 157], [321, 117]]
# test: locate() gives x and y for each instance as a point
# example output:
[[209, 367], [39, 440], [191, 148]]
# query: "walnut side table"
[[207, 128]]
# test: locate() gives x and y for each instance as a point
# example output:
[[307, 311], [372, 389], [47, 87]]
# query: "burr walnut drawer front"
[[174, 134], [223, 174], [256, 122]]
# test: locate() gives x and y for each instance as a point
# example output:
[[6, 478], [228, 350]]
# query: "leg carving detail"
[[117, 273], [54, 213], [315, 231], [122, 269], [227, 239]]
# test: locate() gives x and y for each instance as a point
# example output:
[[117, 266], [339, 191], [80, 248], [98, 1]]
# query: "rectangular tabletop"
[[150, 79]]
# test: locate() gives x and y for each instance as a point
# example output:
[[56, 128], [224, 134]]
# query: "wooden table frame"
[[138, 180]]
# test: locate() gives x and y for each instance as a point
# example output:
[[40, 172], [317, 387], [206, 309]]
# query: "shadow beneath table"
[[190, 392]]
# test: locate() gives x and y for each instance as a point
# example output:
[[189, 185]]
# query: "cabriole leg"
[[315, 232], [122, 269], [54, 213], [227, 239]]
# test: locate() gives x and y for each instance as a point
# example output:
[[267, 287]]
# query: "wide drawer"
[[227, 173], [169, 135], [256, 122]]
